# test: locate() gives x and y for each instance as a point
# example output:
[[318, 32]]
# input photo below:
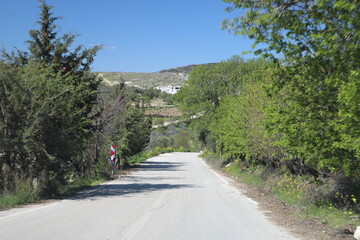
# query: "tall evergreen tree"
[[54, 91], [41, 44]]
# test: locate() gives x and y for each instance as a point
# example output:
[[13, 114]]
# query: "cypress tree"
[[60, 92]]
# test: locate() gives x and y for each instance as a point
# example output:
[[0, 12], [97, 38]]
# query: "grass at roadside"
[[296, 191], [26, 192], [244, 177], [80, 184], [335, 218], [8, 200]]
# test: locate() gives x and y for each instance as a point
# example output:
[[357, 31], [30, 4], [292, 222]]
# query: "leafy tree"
[[52, 126], [239, 122], [207, 84], [10, 114], [38, 121], [203, 91], [210, 93], [317, 79], [300, 29]]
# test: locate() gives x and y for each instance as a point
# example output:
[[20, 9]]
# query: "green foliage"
[[288, 188], [108, 128], [177, 137], [56, 126], [294, 190], [316, 115], [24, 190], [206, 90], [348, 123], [145, 96], [208, 83], [231, 122], [118, 123], [248, 176], [42, 123], [323, 30], [138, 128], [48, 96], [238, 124], [336, 218]]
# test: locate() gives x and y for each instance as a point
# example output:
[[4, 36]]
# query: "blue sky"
[[138, 35]]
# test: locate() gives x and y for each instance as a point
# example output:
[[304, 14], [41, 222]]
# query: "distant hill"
[[173, 77], [185, 69], [145, 80]]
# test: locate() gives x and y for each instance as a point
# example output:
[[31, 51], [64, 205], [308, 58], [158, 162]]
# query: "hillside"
[[145, 80], [173, 77], [184, 69]]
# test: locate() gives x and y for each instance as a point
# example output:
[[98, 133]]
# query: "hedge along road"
[[172, 196]]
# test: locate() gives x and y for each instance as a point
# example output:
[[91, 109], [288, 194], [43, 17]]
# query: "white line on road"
[[34, 208], [221, 178], [30, 210], [226, 182]]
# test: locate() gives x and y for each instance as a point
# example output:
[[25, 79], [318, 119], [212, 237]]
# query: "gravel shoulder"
[[286, 216]]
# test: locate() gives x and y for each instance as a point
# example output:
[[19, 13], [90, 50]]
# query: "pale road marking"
[[137, 227], [53, 204], [30, 210], [226, 182], [221, 178]]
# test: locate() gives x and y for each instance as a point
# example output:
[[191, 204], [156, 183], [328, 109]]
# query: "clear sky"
[[138, 35]]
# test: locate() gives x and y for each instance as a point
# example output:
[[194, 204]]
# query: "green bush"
[[24, 190]]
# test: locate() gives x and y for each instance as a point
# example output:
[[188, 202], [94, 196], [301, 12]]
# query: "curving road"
[[172, 196]]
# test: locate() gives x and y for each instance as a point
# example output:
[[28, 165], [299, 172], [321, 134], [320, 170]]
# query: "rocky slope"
[[169, 77]]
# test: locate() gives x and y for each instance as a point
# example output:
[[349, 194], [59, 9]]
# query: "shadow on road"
[[126, 190], [159, 166], [138, 184]]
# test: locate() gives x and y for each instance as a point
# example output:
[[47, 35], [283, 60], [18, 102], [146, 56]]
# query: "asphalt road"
[[172, 196]]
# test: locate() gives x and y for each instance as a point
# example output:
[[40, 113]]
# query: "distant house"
[[170, 89]]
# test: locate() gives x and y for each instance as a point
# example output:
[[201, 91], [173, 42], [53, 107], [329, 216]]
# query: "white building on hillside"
[[170, 89]]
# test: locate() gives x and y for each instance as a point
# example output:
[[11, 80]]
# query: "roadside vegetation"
[[57, 122], [287, 121], [148, 96], [325, 199], [176, 137]]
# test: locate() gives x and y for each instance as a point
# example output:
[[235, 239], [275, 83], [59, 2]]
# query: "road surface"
[[172, 196]]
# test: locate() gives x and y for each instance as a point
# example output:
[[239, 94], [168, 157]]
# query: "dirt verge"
[[286, 216]]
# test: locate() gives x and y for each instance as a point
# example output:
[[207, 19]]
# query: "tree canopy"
[[301, 103], [316, 76], [53, 124]]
